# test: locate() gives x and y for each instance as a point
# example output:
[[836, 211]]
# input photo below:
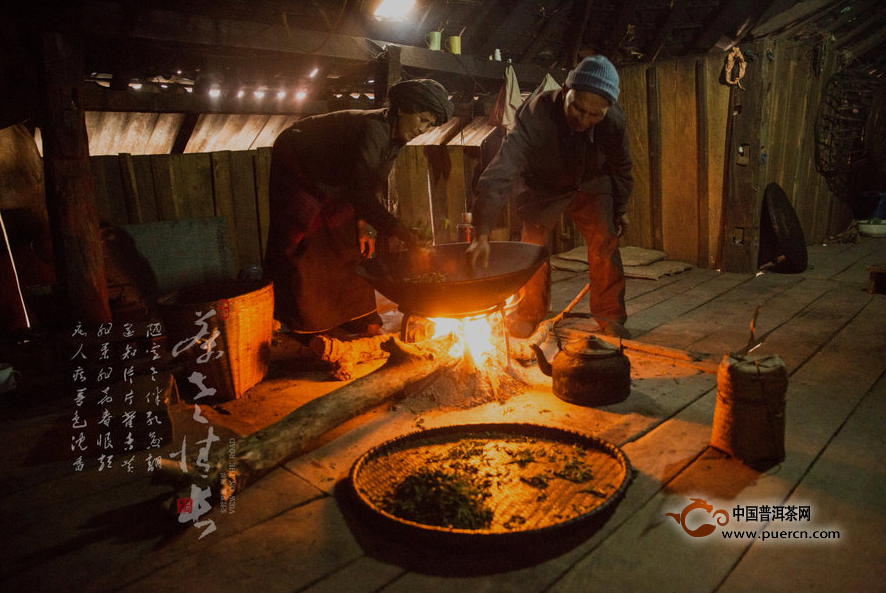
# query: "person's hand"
[[621, 224], [478, 252], [367, 242]]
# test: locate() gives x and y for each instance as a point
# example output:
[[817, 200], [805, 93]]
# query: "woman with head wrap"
[[327, 173]]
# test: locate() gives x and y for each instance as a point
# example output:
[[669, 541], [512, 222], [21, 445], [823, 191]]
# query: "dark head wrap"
[[422, 94]]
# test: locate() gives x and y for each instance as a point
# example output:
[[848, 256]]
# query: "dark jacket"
[[345, 154], [550, 162]]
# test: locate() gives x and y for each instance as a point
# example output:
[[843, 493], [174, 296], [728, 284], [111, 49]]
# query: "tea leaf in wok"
[[427, 277]]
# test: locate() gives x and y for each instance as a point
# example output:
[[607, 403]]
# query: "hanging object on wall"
[[504, 109], [734, 58], [840, 128]]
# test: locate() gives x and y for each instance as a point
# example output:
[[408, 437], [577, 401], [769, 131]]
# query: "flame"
[[475, 334]]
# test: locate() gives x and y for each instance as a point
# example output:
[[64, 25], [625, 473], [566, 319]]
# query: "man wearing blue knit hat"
[[568, 152]]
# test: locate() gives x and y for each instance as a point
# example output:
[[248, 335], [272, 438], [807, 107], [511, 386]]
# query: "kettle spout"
[[543, 364]]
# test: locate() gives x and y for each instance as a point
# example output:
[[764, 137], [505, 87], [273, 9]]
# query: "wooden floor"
[[293, 530]]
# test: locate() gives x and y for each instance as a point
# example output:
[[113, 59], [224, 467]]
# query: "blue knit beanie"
[[595, 74]]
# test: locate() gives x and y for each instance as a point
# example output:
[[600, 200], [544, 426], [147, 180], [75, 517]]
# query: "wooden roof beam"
[[866, 22], [197, 31], [512, 25], [677, 11], [732, 20], [554, 24], [855, 9], [574, 35], [619, 26], [470, 36], [787, 18], [873, 42]]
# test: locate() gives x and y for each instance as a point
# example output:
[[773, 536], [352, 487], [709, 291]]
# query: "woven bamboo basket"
[[749, 417], [244, 315]]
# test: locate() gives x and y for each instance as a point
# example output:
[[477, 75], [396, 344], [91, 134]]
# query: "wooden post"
[[574, 34], [654, 124], [741, 211], [701, 109], [388, 71], [70, 188]]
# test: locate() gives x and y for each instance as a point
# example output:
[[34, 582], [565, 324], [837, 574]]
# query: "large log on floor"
[[262, 451]]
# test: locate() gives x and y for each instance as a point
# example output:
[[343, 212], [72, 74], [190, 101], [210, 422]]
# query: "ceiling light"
[[393, 10], [300, 95], [215, 92], [281, 94], [313, 73], [259, 94]]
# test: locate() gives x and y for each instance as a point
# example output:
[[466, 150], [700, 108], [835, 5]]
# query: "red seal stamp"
[[184, 505]]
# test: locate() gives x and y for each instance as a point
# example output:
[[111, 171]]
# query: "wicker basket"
[[238, 359], [749, 417]]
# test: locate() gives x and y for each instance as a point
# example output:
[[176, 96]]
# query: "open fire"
[[480, 342]]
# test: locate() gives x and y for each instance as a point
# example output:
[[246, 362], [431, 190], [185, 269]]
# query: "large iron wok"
[[437, 281]]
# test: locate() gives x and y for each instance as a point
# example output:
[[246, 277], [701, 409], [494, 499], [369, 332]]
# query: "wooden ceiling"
[[179, 49]]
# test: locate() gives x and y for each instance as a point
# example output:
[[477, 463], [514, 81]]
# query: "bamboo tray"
[[536, 480]]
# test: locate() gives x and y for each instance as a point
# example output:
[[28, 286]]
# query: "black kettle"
[[588, 372]]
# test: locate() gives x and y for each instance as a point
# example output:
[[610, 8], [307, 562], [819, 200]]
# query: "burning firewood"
[[346, 355], [262, 451]]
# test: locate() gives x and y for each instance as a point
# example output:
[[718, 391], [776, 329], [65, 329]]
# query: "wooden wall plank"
[[164, 195], [164, 133], [262, 195], [741, 211], [777, 156], [717, 108], [245, 211], [703, 158], [130, 188], [192, 175], [413, 189], [240, 132], [457, 195], [108, 189], [224, 196], [272, 128], [147, 201], [103, 129], [633, 101], [470, 151], [137, 132], [207, 125], [679, 163], [653, 122], [810, 185], [801, 140], [792, 107], [439, 164]]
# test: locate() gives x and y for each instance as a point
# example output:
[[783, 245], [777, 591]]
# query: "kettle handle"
[[557, 337], [543, 365]]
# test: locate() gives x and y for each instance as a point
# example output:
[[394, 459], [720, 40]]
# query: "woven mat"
[[656, 270], [630, 256], [637, 256], [568, 265]]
